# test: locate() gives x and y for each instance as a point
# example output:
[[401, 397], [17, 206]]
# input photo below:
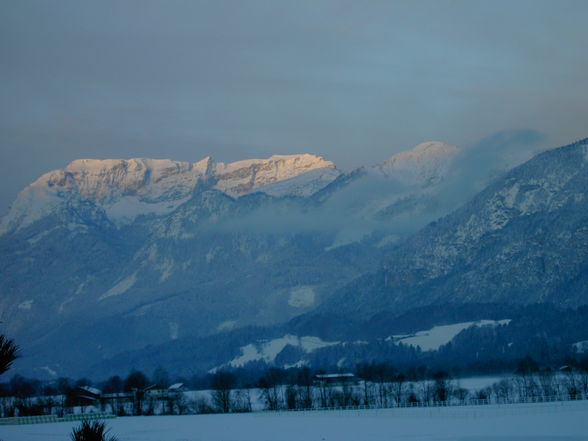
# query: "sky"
[[352, 81]]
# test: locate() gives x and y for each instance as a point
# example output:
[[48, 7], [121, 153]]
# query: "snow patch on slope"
[[121, 287], [302, 297], [174, 330], [268, 350], [433, 339], [227, 325], [36, 238], [581, 347], [27, 305], [50, 371]]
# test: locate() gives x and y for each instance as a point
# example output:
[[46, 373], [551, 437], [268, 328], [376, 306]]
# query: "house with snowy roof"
[[334, 379]]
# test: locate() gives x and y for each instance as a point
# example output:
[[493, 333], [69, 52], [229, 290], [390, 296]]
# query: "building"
[[334, 379]]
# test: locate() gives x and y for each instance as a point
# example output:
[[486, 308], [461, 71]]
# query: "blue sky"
[[353, 81]]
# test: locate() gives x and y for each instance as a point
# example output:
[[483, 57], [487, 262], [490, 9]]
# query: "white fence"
[[42, 419]]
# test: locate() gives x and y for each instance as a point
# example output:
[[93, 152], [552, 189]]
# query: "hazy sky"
[[354, 81]]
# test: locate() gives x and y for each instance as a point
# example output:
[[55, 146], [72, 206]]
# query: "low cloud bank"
[[374, 203]]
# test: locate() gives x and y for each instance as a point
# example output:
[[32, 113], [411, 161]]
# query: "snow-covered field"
[[520, 422], [434, 338], [474, 384]]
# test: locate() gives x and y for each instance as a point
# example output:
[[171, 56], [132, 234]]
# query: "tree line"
[[376, 384]]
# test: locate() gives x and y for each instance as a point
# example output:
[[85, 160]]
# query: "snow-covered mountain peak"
[[123, 188], [127, 188], [427, 163], [242, 177], [133, 165], [150, 180], [427, 150]]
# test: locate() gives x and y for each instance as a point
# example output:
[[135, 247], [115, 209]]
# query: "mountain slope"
[[523, 239], [261, 242], [469, 336], [122, 254]]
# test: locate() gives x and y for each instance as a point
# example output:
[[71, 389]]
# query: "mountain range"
[[108, 258]]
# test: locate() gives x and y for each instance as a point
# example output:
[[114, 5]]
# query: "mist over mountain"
[[521, 240], [104, 257]]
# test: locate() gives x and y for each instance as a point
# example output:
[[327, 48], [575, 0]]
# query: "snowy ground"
[[434, 338], [474, 384], [519, 422]]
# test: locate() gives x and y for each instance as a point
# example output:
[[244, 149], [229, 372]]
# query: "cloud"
[[362, 208], [478, 165]]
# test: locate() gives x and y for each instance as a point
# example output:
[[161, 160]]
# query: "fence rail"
[[42, 419]]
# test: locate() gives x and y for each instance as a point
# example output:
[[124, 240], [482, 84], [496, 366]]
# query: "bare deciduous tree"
[[222, 384]]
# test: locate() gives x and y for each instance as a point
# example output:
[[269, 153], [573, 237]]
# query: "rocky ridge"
[[125, 189]]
